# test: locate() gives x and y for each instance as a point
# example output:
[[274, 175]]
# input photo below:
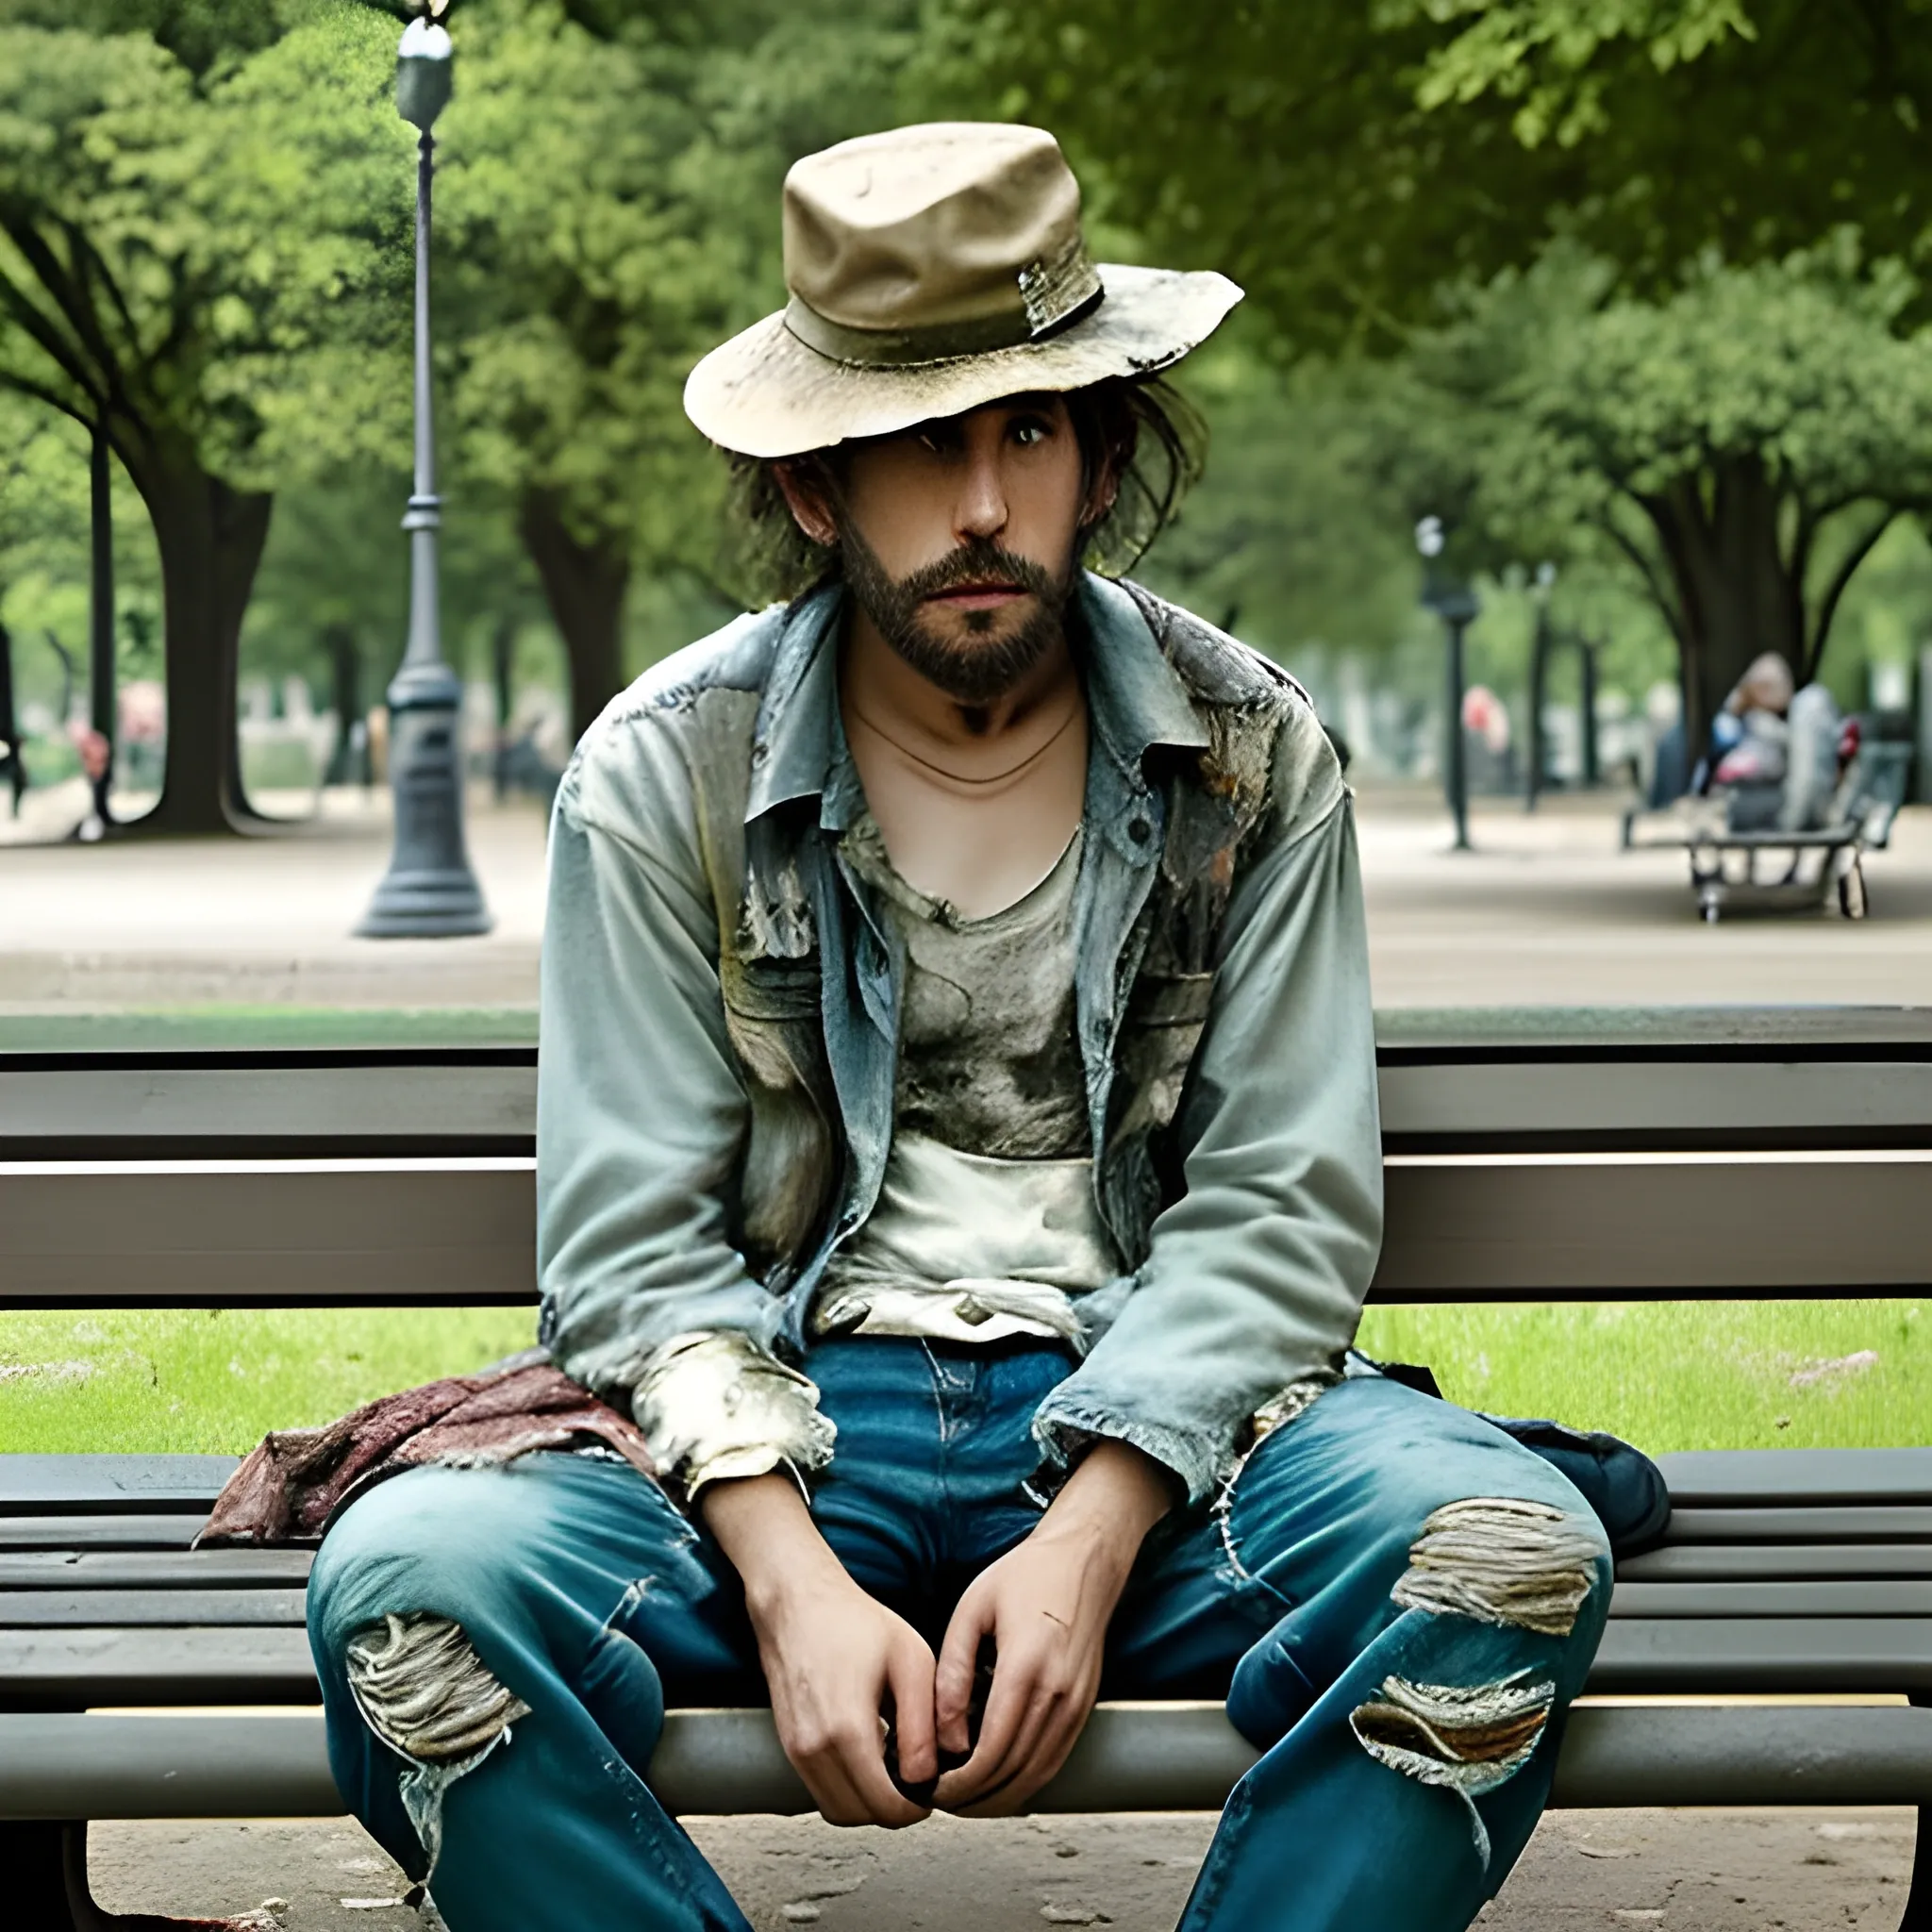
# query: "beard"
[[987, 662]]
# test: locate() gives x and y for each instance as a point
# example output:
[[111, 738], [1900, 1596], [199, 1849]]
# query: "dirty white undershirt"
[[985, 1224]]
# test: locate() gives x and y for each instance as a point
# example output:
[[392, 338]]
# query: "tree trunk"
[[584, 585], [1738, 593], [210, 538]]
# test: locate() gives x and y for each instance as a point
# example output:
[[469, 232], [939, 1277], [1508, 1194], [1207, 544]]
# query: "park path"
[[1547, 911], [1584, 1871]]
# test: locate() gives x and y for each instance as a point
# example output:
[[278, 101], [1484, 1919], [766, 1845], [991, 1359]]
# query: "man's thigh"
[[549, 1553], [1316, 1540]]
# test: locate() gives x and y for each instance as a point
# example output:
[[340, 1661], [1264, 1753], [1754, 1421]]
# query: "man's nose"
[[981, 509]]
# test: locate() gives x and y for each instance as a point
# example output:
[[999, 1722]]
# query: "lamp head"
[[424, 64]]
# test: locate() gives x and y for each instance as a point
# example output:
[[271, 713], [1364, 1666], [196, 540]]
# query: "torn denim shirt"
[[722, 998]]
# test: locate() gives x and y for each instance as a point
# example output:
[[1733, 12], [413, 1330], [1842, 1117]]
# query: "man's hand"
[[833, 1658], [1046, 1606]]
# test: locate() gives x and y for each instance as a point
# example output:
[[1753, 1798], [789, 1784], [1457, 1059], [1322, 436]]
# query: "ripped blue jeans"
[[1397, 1603]]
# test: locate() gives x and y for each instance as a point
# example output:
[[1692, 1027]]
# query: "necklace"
[[905, 751]]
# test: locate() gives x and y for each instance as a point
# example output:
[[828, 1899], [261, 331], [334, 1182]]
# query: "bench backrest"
[[1748, 1155]]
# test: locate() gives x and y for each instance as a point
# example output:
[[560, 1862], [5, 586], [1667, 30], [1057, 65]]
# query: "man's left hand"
[[1046, 1606]]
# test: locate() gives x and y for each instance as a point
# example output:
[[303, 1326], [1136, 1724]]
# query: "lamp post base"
[[429, 892], [442, 905]]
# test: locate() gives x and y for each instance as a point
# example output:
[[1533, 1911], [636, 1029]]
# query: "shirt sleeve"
[[639, 1121], [1255, 1274]]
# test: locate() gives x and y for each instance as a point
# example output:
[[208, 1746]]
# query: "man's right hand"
[[834, 1658]]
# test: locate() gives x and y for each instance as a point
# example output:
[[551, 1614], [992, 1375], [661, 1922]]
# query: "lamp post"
[[429, 891], [1458, 605], [1539, 676], [100, 623]]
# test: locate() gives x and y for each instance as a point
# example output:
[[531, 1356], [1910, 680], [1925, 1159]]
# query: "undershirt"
[[986, 1224]]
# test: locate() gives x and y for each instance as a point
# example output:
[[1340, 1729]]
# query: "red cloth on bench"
[[294, 1482]]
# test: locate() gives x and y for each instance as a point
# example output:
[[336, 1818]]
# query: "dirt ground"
[[1841, 1870]]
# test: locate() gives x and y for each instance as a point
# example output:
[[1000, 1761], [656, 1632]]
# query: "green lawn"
[[1679, 1375]]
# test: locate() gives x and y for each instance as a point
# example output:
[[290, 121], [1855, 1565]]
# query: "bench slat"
[[172, 1529], [198, 1598], [1858, 1522], [1718, 1478], [1757, 1562], [309, 1232], [1764, 1654], [1131, 1758], [263, 1665], [52, 1609], [268, 1665], [1864, 1597], [111, 1483], [390, 1103], [1475, 1228], [1488, 1227], [152, 1569]]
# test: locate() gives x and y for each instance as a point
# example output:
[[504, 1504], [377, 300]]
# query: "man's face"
[[959, 539]]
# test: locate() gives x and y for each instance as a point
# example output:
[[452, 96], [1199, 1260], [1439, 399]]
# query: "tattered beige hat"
[[932, 270]]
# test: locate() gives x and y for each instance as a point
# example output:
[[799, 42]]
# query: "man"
[[958, 1144]]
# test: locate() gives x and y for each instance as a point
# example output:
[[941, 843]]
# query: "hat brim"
[[766, 394]]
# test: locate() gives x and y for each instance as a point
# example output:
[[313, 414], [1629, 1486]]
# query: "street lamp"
[[1539, 679], [429, 891], [1450, 597]]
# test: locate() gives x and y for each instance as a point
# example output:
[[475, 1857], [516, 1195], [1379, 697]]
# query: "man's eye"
[[1029, 430]]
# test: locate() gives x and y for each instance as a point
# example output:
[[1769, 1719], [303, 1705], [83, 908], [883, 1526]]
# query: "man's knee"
[[450, 1542]]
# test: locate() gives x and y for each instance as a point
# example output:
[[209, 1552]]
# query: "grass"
[[1673, 1376], [208, 1380], [1837, 1374]]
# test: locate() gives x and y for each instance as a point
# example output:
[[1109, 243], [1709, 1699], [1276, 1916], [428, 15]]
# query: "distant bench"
[[1581, 1158]]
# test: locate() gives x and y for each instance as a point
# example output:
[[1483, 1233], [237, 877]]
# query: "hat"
[[932, 270]]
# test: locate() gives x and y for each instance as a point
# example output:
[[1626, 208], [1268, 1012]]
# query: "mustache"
[[979, 561]]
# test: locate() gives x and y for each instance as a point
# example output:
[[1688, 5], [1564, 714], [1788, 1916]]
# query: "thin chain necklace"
[[905, 751]]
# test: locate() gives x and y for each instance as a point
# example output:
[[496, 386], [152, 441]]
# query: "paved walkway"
[[1584, 1871], [1545, 911]]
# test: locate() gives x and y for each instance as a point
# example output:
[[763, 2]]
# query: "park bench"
[[1566, 1157], [1791, 868]]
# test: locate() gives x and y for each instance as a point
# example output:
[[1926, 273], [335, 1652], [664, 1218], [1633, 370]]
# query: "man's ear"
[[808, 500], [1102, 494]]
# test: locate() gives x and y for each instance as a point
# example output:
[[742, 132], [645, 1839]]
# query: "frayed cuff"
[[1066, 1430], [715, 1406]]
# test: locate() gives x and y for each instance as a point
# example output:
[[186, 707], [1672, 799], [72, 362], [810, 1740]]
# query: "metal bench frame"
[[1632, 1168]]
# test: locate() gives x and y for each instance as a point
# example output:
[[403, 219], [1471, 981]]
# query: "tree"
[[188, 194], [609, 194], [1742, 445], [1344, 162]]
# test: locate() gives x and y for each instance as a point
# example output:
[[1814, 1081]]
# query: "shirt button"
[[1139, 831], [759, 753]]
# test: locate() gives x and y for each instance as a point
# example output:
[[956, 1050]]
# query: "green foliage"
[[612, 209], [1290, 539], [172, 240], [1345, 163], [1742, 445]]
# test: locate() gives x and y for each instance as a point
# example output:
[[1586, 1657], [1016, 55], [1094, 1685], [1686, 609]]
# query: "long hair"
[[1142, 430]]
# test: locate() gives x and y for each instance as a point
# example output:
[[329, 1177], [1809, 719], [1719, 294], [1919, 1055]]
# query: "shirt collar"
[[1135, 698]]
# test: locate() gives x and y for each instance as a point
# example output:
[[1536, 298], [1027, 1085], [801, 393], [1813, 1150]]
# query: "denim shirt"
[[720, 1024]]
